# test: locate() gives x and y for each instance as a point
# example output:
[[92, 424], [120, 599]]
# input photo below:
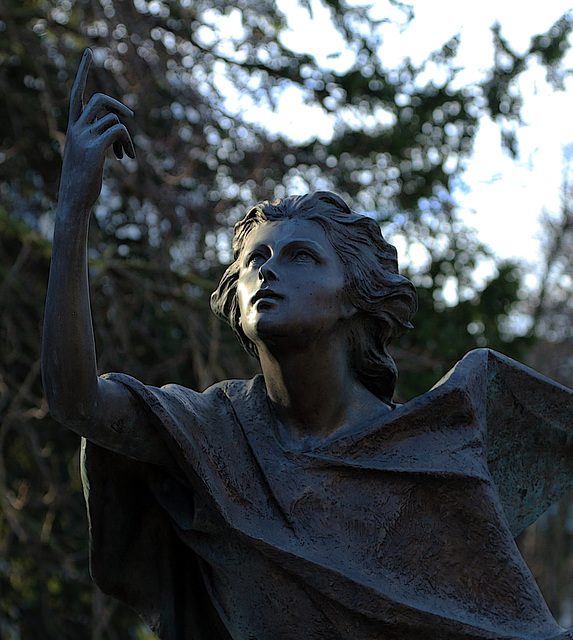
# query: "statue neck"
[[314, 393]]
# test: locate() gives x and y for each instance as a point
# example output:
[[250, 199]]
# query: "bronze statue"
[[302, 503]]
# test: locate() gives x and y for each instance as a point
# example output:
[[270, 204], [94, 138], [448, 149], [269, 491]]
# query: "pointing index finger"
[[77, 97]]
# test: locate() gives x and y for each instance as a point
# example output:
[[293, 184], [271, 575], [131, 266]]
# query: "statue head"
[[384, 300]]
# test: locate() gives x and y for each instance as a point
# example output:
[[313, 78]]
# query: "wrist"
[[79, 188]]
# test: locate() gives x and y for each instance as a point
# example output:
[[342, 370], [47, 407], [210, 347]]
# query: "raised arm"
[[101, 410]]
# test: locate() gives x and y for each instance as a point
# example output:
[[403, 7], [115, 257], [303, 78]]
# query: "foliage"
[[552, 308], [550, 312], [447, 332], [161, 228]]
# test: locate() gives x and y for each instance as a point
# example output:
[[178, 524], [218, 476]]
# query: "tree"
[[161, 229], [548, 545], [551, 308]]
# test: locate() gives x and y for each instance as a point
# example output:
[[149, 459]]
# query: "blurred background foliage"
[[160, 236]]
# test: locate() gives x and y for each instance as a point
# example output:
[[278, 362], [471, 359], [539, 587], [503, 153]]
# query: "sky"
[[501, 197]]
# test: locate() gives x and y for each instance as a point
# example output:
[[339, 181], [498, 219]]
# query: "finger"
[[118, 133], [100, 104], [77, 95], [104, 123], [128, 147], [118, 149]]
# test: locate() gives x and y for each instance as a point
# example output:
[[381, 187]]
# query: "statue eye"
[[256, 259], [305, 256]]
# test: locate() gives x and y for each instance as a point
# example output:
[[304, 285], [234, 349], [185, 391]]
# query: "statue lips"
[[267, 295]]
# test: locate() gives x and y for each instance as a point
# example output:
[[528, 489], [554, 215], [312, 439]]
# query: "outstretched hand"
[[92, 129]]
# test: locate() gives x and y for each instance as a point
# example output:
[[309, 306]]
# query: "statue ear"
[[348, 309]]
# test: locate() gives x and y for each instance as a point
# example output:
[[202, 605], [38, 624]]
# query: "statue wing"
[[529, 438]]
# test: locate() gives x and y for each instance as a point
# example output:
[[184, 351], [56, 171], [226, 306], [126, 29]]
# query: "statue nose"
[[267, 271]]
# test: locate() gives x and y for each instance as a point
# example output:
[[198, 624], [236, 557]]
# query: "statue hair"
[[384, 300]]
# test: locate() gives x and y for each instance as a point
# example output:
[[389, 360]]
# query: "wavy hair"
[[384, 300]]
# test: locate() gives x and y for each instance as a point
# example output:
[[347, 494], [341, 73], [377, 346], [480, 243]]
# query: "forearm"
[[69, 367], [102, 410]]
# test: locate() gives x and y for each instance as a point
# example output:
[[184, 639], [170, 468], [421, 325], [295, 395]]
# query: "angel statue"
[[304, 503]]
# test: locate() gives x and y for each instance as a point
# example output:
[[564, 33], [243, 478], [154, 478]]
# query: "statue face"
[[291, 283]]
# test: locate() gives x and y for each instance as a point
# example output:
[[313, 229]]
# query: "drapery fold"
[[396, 530]]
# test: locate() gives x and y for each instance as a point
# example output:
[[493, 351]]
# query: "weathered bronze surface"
[[302, 503]]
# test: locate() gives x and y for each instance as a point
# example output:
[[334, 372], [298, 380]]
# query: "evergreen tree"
[[160, 232]]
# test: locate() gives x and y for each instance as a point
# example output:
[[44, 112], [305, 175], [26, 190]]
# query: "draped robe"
[[402, 529]]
